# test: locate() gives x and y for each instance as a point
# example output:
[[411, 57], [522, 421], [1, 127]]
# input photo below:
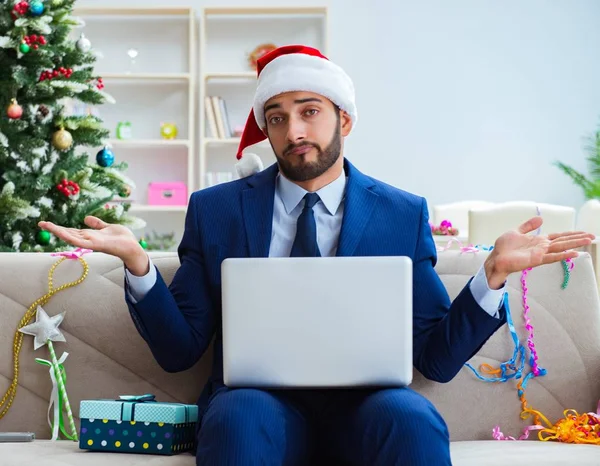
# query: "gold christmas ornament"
[[168, 130], [125, 191], [259, 51], [62, 139]]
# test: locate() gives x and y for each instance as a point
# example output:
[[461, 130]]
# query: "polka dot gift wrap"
[[137, 424]]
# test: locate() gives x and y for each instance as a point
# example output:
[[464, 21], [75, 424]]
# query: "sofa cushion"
[[66, 453], [469, 453], [522, 453], [566, 330]]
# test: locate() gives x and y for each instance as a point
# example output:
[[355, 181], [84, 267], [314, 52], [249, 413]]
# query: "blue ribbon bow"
[[138, 398], [128, 407]]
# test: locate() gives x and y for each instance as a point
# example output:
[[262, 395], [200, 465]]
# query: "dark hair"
[[338, 112]]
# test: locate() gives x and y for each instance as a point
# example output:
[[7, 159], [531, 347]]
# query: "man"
[[313, 202]]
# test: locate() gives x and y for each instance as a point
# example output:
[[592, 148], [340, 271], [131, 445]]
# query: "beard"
[[305, 171]]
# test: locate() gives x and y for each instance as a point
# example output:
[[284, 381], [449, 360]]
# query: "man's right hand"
[[115, 240]]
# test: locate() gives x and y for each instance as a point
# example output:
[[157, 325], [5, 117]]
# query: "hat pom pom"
[[249, 165]]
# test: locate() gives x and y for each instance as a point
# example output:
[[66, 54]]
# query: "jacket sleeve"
[[445, 334], [178, 322]]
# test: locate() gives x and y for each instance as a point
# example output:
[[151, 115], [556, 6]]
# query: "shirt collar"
[[331, 195]]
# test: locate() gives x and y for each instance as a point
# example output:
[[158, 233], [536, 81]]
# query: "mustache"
[[291, 147]]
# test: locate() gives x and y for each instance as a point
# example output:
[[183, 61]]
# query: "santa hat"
[[287, 69]]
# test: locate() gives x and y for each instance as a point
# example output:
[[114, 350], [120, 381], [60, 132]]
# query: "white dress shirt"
[[329, 212]]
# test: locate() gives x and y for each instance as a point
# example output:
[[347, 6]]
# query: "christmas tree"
[[45, 173]]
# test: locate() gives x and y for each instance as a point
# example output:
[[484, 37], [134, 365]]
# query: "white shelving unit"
[[157, 86], [173, 70], [227, 37]]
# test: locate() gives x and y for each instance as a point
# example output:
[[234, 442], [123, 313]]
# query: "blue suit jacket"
[[235, 220]]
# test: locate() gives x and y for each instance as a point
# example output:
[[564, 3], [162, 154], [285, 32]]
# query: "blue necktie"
[[305, 243]]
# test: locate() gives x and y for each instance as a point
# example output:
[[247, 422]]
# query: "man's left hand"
[[515, 250]]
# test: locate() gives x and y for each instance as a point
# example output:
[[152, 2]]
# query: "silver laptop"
[[326, 322]]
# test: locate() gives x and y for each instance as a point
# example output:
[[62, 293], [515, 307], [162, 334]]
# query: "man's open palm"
[[516, 250], [116, 240]]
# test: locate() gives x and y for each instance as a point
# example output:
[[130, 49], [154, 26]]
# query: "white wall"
[[464, 99]]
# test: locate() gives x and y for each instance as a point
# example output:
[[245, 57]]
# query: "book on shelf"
[[218, 118]]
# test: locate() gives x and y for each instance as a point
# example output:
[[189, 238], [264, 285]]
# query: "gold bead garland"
[[9, 396]]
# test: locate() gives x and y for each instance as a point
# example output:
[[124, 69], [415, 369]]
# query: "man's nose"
[[296, 131]]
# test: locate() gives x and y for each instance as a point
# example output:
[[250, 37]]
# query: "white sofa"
[[107, 358], [487, 223]]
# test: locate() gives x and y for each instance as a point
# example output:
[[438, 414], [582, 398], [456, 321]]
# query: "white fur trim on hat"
[[248, 165], [301, 72]]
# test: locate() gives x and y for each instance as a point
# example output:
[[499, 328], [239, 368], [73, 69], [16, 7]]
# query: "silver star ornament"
[[44, 328]]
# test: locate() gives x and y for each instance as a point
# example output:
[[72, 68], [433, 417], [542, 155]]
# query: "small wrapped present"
[[137, 424]]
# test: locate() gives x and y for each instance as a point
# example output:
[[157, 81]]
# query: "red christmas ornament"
[[68, 188], [14, 110], [50, 74], [34, 40], [20, 9]]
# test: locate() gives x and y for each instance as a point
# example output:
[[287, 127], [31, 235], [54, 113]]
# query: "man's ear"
[[346, 123]]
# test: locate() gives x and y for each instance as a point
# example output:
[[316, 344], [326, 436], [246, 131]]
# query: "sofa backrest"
[[486, 223], [108, 358]]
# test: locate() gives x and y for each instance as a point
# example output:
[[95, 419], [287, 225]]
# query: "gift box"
[[167, 193], [137, 424]]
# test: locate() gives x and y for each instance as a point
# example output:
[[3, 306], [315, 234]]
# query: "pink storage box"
[[173, 193]]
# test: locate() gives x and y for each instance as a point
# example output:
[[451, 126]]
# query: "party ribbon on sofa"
[[56, 398], [568, 429], [462, 248]]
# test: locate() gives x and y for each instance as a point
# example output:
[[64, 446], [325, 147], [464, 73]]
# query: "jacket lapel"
[[257, 210], [359, 202]]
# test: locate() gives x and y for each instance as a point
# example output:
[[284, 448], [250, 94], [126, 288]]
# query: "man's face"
[[304, 130]]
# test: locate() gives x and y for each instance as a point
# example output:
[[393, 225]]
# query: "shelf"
[[157, 208], [230, 141], [221, 140], [233, 75], [266, 11], [147, 76], [159, 11], [149, 143]]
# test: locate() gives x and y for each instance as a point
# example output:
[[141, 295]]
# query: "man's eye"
[[312, 111], [274, 120]]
